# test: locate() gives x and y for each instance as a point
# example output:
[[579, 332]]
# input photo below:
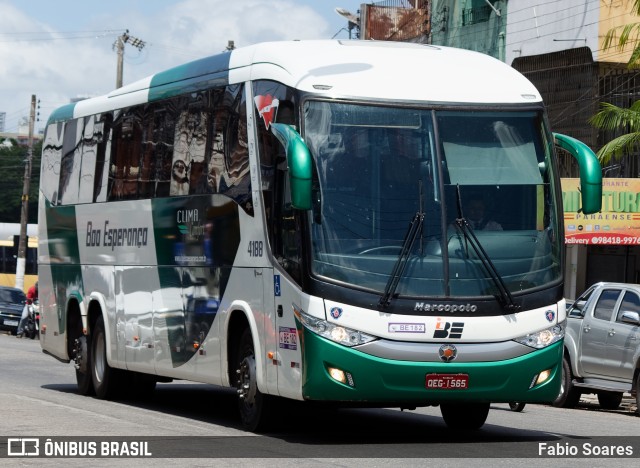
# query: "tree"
[[622, 36], [12, 163], [613, 118], [618, 119]]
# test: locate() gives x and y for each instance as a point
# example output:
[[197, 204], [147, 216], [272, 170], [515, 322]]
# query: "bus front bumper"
[[368, 379]]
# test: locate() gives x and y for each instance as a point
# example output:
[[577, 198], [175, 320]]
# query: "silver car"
[[602, 345]]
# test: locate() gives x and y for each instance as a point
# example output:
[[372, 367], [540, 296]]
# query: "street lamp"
[[353, 20]]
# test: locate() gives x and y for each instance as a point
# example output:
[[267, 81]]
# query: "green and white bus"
[[294, 219]]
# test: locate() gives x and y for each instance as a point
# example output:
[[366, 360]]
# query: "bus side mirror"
[[299, 162], [590, 172]]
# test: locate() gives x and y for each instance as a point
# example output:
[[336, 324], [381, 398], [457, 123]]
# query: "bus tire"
[[106, 380], [252, 404], [464, 416], [83, 366], [610, 400], [569, 395]]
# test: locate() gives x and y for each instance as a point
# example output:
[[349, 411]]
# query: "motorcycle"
[[32, 324]]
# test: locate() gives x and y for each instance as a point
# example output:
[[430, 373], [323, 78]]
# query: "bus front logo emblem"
[[336, 312], [448, 329], [448, 352]]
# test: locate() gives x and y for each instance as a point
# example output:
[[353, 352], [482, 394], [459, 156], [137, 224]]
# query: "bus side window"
[[92, 163], [69, 186], [51, 158], [160, 139], [147, 163], [189, 150], [102, 137], [126, 150], [283, 223]]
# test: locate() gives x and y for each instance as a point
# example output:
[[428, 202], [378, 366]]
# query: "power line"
[[67, 38]]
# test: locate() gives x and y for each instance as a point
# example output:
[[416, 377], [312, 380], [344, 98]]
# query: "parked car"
[[12, 302], [602, 346]]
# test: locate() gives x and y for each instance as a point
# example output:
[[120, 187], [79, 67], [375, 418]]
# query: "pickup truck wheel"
[[569, 395], [610, 400]]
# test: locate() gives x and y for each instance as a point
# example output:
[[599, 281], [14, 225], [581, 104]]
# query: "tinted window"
[[577, 308], [70, 164], [126, 152], [14, 296], [274, 102], [51, 156], [606, 303], [630, 303], [196, 143]]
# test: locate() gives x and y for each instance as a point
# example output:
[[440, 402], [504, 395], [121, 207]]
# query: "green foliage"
[[617, 119], [12, 169], [622, 36]]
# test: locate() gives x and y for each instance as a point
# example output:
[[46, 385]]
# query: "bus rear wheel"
[[252, 404], [82, 360], [106, 380], [464, 416]]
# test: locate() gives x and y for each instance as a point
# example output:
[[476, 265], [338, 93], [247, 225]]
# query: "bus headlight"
[[342, 335], [543, 338]]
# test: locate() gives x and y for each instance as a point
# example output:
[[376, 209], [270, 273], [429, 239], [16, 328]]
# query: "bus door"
[[270, 296], [286, 343]]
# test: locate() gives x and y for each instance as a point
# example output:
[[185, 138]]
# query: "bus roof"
[[378, 70]]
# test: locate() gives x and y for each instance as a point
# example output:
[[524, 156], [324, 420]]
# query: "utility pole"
[[24, 215], [123, 39]]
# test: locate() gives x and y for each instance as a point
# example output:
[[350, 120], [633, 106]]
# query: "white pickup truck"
[[602, 346]]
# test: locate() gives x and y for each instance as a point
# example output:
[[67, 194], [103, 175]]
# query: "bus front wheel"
[[464, 416], [253, 405]]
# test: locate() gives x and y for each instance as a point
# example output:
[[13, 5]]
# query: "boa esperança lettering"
[[116, 237]]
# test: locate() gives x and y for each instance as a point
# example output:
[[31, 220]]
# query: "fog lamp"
[[540, 378], [338, 374], [341, 376]]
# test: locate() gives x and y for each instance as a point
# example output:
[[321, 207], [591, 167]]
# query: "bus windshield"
[[380, 170]]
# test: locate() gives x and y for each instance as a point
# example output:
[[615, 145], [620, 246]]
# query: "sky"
[[63, 49]]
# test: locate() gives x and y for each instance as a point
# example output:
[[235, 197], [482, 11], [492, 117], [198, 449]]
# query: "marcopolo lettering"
[[425, 307], [116, 237]]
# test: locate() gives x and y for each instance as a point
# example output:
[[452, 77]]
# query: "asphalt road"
[[198, 421]]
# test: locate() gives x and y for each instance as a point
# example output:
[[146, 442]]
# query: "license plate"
[[11, 323], [447, 381]]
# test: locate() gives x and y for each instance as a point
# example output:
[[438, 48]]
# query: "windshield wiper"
[[505, 298], [415, 229]]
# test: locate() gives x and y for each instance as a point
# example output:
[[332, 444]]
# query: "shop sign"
[[618, 223]]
